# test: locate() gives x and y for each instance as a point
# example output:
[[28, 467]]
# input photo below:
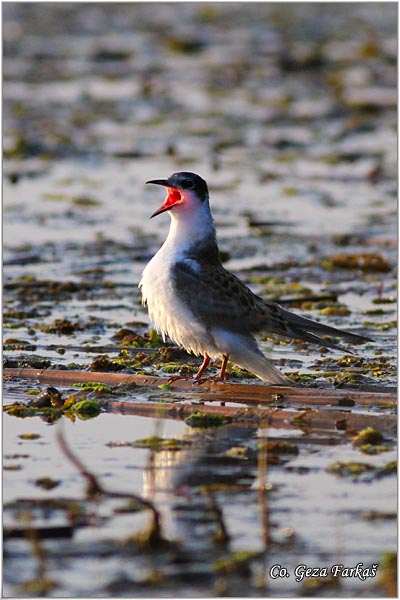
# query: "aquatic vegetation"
[[51, 406], [374, 448], [368, 436], [388, 469], [127, 337], [282, 447], [349, 469], [60, 326], [362, 471], [104, 364], [154, 443], [338, 310], [204, 420], [388, 573], [47, 483], [164, 386], [95, 387], [19, 344], [236, 562], [365, 262], [85, 409]]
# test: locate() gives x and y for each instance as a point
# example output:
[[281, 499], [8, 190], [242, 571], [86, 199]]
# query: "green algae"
[[18, 344], [356, 470], [157, 443], [85, 409], [365, 262], [128, 337], [95, 387], [338, 310], [349, 469], [131, 506], [369, 436], [282, 447], [183, 45], [236, 563], [105, 365], [374, 448], [21, 410], [60, 326], [388, 469], [55, 408], [153, 443], [388, 573], [203, 420], [39, 587], [384, 300], [301, 420]]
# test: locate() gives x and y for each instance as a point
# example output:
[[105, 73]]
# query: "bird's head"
[[185, 191]]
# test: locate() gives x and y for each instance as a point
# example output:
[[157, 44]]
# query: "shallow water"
[[289, 113]]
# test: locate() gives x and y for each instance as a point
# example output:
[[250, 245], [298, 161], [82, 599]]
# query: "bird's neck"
[[190, 229]]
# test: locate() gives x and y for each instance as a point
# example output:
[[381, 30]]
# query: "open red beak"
[[173, 197]]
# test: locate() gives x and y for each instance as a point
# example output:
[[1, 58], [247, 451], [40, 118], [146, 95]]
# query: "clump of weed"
[[369, 436], [85, 409], [128, 337], [60, 326], [236, 562], [204, 420], [388, 573], [154, 443], [365, 262]]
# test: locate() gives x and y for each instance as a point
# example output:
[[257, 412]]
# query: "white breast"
[[168, 314]]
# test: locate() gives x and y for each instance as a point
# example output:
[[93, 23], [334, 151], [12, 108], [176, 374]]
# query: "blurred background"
[[288, 110], [205, 83]]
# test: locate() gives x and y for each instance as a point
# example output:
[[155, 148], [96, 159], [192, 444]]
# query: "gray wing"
[[219, 299]]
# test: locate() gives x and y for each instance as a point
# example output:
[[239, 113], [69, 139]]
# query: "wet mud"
[[289, 112]]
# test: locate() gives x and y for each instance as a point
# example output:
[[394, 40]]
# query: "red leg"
[[206, 362], [222, 374]]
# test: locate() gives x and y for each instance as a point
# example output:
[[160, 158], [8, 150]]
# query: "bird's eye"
[[187, 184]]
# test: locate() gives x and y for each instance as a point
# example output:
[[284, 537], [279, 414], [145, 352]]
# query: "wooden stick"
[[282, 418], [212, 391]]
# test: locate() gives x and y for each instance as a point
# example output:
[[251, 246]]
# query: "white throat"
[[189, 224]]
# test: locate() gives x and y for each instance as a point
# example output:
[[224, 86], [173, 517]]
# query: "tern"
[[197, 303]]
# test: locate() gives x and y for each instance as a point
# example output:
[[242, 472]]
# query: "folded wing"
[[221, 300]]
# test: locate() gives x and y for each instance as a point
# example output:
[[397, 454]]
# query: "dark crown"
[[190, 181]]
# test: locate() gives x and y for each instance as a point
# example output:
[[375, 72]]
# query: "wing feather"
[[218, 297], [221, 300]]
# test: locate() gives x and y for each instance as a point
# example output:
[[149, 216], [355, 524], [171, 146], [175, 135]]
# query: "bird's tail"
[[243, 351], [262, 367], [283, 322]]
